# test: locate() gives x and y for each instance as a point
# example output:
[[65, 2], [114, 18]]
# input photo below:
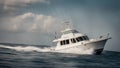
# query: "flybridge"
[[67, 31], [70, 33]]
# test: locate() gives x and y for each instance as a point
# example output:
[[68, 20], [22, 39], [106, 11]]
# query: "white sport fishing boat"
[[72, 41]]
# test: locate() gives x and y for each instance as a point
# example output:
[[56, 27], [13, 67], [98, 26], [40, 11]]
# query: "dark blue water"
[[11, 58]]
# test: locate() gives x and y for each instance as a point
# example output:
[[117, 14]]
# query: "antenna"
[[67, 24], [55, 35]]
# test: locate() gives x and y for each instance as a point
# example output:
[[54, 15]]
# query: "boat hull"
[[92, 47], [98, 46]]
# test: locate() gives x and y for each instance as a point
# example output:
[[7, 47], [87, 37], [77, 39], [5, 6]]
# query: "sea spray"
[[27, 48], [47, 49]]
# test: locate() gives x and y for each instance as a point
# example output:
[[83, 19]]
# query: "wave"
[[27, 48], [47, 49]]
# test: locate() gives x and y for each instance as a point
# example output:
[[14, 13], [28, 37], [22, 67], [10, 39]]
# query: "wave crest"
[[27, 48], [47, 49]]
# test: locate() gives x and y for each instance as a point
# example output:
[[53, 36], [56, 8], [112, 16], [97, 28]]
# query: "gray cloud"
[[11, 7], [30, 22], [14, 4]]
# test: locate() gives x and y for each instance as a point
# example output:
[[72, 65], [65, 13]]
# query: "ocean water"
[[34, 56]]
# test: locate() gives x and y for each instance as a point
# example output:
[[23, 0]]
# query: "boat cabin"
[[70, 36], [73, 40]]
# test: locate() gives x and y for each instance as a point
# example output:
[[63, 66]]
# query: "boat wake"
[[44, 49], [26, 48]]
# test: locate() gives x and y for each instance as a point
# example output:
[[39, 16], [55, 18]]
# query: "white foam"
[[47, 49], [26, 48]]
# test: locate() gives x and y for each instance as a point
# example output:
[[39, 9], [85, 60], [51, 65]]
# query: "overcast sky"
[[35, 21]]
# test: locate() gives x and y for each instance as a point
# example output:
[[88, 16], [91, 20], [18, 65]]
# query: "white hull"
[[91, 47]]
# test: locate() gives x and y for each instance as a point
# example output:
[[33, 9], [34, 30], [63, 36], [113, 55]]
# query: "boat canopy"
[[66, 31]]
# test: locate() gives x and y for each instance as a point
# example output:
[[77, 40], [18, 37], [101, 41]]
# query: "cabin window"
[[78, 39], [73, 40], [61, 42], [64, 42], [81, 39], [67, 41], [85, 38]]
